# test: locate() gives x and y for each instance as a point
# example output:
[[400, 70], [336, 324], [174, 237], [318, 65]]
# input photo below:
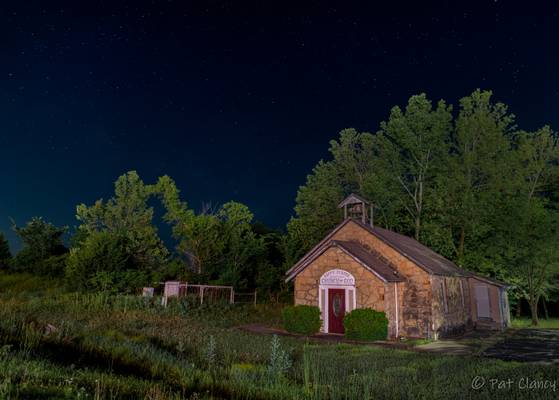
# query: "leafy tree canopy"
[[41, 240], [474, 188], [128, 215], [103, 263]]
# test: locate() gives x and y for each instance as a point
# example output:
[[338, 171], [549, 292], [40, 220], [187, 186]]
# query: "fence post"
[[232, 296], [255, 297], [201, 294]]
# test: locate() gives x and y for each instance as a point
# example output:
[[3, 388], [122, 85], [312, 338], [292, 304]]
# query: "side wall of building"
[[393, 308], [496, 299], [451, 305]]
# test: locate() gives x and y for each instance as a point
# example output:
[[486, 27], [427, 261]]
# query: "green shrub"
[[128, 281], [102, 263], [53, 266], [41, 240], [301, 319], [5, 254], [29, 284], [366, 324]]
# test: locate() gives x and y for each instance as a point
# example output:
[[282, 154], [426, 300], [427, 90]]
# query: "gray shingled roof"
[[355, 250], [370, 260], [422, 255]]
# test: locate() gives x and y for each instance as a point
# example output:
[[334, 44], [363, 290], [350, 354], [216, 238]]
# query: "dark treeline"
[[467, 182], [116, 246]]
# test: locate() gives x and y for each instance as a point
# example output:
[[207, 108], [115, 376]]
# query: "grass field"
[[550, 323], [66, 346]]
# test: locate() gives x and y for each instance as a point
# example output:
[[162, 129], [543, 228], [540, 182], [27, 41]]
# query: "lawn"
[[550, 323], [62, 345]]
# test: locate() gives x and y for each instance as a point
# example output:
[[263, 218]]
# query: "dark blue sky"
[[236, 107]]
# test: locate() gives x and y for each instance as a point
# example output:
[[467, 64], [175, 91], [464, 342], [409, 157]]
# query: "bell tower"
[[356, 207]]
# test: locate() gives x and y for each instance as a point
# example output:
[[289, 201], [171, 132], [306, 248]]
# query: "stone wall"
[[369, 289], [415, 310], [451, 307], [421, 308], [393, 309]]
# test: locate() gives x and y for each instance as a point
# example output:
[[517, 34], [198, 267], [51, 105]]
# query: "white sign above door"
[[337, 277]]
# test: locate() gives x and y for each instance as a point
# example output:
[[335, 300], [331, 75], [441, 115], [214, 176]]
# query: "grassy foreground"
[[66, 346], [550, 323]]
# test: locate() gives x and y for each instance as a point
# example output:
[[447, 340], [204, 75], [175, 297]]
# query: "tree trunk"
[[519, 308], [546, 315], [417, 227], [461, 243], [534, 311]]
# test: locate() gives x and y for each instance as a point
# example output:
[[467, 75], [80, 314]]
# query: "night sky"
[[236, 107]]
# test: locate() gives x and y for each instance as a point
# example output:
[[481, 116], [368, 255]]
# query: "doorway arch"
[[336, 297]]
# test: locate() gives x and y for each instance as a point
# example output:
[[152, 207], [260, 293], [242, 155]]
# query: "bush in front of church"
[[303, 320], [366, 324]]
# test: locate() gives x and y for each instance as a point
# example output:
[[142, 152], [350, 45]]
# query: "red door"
[[336, 310]]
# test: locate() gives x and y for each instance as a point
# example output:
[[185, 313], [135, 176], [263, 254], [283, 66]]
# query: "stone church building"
[[424, 295]]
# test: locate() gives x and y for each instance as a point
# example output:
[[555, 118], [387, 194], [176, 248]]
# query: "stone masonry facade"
[[422, 312], [369, 289]]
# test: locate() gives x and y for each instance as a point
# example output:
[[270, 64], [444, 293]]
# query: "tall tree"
[[412, 146], [218, 245], [242, 248], [200, 239], [269, 276], [525, 242], [395, 169], [532, 235], [316, 206], [41, 240], [479, 169], [102, 262], [198, 235], [127, 214]]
